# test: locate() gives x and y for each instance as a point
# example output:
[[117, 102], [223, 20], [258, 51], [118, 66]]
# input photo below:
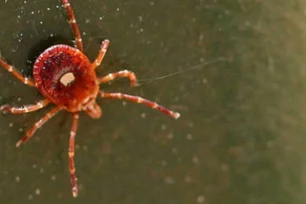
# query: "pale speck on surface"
[[169, 180], [11, 125], [190, 124], [124, 103], [117, 9], [189, 137], [269, 144], [37, 191], [204, 81], [164, 163], [195, 160], [34, 166], [143, 115], [53, 177], [200, 199], [187, 179], [170, 136], [201, 37], [17, 178], [174, 151], [20, 129], [41, 170], [224, 167], [163, 127], [30, 197]]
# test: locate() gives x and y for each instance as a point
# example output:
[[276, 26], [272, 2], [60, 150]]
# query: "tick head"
[[92, 108]]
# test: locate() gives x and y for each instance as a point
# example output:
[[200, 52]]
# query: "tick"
[[66, 78]]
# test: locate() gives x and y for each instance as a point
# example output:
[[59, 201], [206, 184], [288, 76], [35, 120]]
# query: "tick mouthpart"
[[92, 108]]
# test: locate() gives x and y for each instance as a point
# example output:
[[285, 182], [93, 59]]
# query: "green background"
[[241, 135]]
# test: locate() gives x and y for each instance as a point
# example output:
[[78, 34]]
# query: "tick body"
[[67, 79]]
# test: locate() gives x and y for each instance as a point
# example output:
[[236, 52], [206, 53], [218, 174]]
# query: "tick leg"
[[26, 108], [37, 125], [11, 69], [74, 25], [71, 155], [120, 74], [101, 54], [137, 99]]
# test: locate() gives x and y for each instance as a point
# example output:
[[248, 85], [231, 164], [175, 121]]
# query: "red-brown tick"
[[65, 77]]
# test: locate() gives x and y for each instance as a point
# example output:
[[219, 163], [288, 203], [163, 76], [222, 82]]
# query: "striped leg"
[[101, 54], [120, 74], [37, 125], [137, 99], [26, 108], [71, 155], [74, 25], [11, 69]]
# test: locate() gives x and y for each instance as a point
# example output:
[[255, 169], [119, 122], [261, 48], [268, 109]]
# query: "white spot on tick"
[[67, 79]]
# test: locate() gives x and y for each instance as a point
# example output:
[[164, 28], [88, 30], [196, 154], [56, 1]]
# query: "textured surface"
[[241, 135]]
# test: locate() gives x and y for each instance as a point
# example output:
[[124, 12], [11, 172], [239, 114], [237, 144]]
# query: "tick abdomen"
[[64, 75]]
